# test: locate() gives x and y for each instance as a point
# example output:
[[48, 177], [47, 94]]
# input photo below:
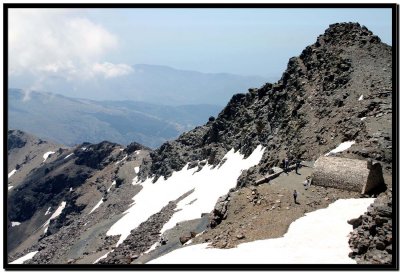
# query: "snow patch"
[[25, 258], [97, 205], [13, 224], [54, 215], [113, 183], [118, 162], [10, 187], [102, 257], [154, 246], [342, 147], [48, 211], [136, 169], [319, 237], [12, 173], [154, 196], [137, 152], [361, 98], [363, 118], [66, 157], [47, 154], [135, 180]]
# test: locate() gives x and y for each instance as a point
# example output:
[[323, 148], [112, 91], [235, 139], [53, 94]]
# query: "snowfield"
[[208, 184], [320, 237]]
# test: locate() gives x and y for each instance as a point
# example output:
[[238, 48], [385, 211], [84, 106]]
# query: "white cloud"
[[109, 70], [49, 42]]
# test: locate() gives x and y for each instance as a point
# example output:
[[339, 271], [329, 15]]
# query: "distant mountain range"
[[71, 121], [151, 83]]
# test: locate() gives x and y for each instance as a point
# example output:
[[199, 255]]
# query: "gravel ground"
[[268, 212]]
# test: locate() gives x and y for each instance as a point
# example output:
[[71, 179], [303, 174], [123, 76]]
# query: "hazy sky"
[[88, 43]]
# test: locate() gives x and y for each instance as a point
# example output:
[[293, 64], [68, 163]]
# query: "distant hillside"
[[154, 84], [71, 121]]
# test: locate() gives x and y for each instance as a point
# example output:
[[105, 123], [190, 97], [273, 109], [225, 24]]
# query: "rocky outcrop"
[[319, 102], [15, 139], [41, 189], [371, 239], [95, 156], [132, 147], [220, 211]]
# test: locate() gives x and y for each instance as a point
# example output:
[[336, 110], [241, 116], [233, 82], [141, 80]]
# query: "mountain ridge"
[[71, 121], [317, 74], [149, 83]]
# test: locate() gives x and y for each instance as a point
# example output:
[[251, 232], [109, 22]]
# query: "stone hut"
[[347, 174]]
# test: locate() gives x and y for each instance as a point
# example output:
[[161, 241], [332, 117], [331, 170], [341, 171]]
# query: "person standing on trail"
[[297, 166], [286, 165], [295, 196]]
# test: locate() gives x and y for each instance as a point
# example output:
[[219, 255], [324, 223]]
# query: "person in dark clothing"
[[286, 165], [295, 196], [297, 166]]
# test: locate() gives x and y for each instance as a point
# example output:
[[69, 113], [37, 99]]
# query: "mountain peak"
[[347, 34]]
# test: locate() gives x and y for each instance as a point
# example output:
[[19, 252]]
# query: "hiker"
[[297, 166], [295, 196], [307, 182], [286, 165]]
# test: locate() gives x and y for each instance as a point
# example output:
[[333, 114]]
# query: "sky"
[[87, 44]]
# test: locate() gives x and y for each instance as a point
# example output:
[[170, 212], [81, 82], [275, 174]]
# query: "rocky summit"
[[338, 91]]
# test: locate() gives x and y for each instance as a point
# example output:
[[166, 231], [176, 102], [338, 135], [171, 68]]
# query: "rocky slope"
[[94, 181], [372, 239], [338, 89], [26, 152]]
